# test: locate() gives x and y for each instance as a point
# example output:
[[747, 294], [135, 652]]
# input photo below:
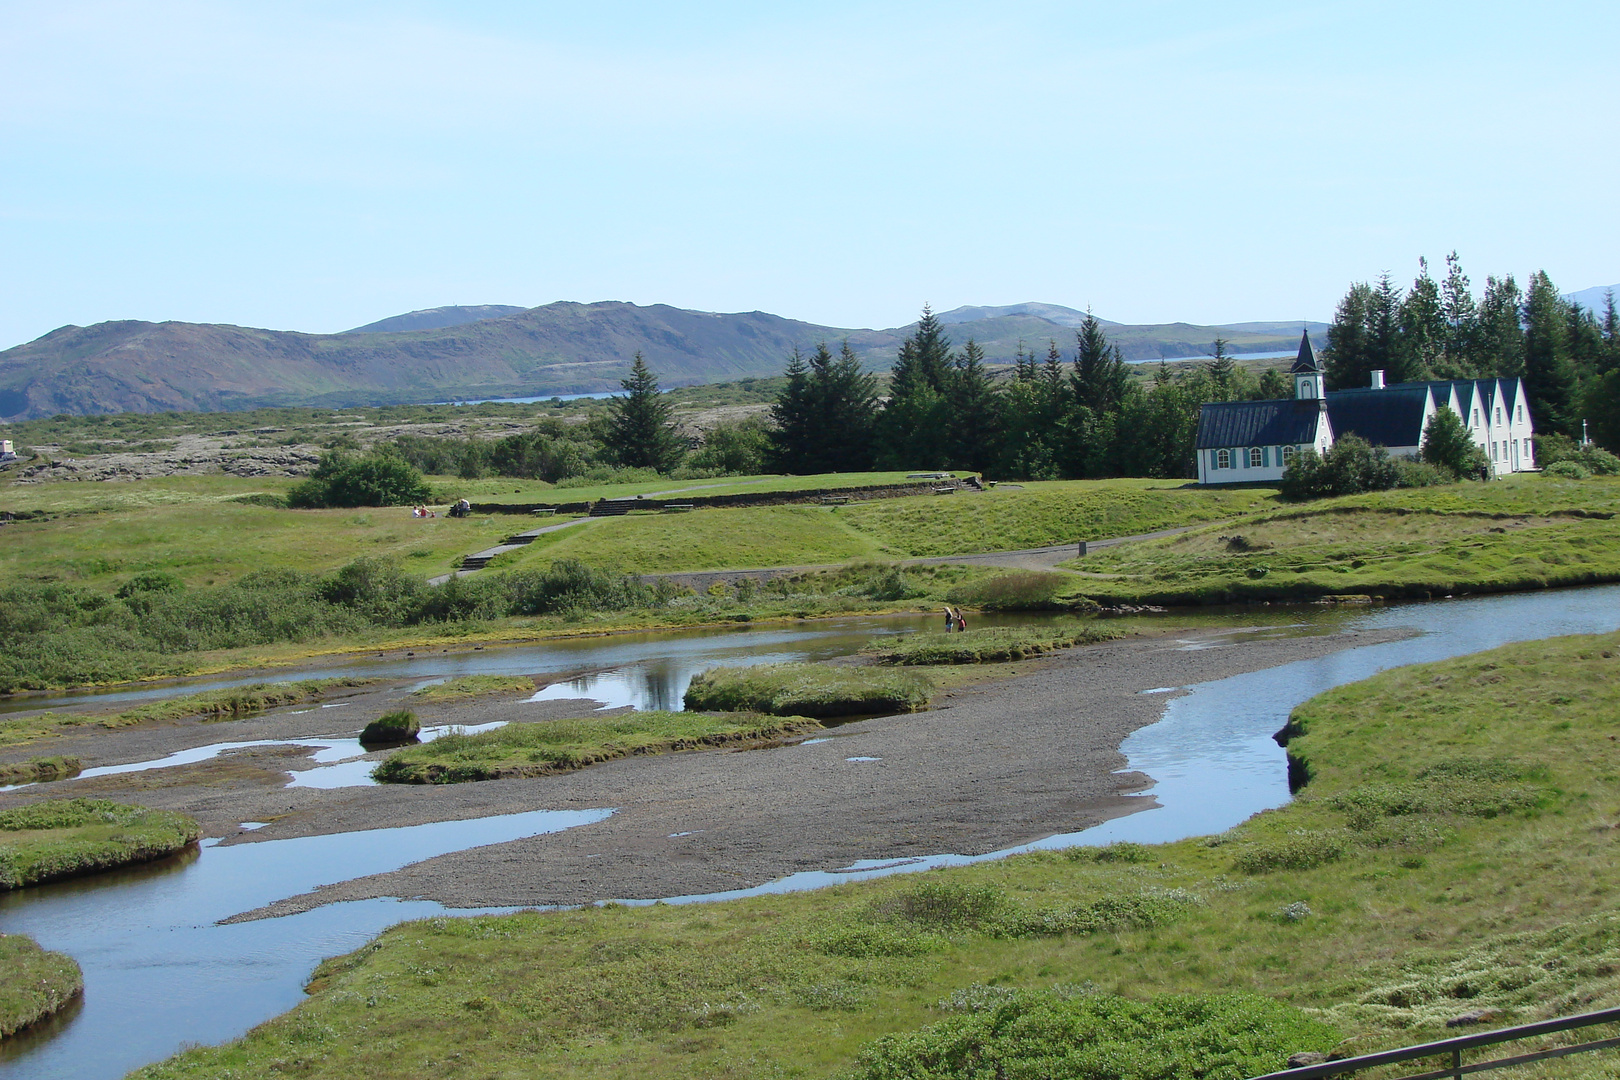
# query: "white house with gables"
[[1253, 441]]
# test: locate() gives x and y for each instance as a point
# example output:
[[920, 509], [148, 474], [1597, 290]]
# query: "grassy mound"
[[1023, 590], [66, 838], [37, 983], [470, 686], [394, 727], [35, 770], [556, 746], [988, 645], [809, 690]]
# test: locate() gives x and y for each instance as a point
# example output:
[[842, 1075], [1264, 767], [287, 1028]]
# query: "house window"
[[1289, 453], [1223, 459], [1476, 418], [1256, 457], [1521, 414], [1499, 414], [1495, 454]]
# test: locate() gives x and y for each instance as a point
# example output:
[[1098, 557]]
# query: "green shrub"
[[400, 726], [1045, 1033], [1568, 470], [1558, 449], [819, 690], [1301, 849], [1025, 590], [373, 480]]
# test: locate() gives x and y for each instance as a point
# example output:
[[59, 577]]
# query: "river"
[[161, 971]]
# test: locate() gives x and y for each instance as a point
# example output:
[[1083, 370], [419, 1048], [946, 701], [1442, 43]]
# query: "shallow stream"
[[161, 972]]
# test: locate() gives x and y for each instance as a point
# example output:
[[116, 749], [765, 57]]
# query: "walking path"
[[471, 564]]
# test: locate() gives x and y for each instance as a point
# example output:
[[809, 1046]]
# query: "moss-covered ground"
[[37, 983], [1454, 850], [63, 838]]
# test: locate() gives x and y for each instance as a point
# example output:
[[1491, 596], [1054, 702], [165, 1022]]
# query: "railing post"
[[1456, 1062]]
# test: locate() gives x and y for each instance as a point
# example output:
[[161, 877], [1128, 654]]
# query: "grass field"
[[554, 746], [36, 984], [1524, 532], [1454, 851], [63, 838]]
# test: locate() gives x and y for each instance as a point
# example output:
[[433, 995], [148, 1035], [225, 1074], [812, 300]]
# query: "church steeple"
[[1307, 370]]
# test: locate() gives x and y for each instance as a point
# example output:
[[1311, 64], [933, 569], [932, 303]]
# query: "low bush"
[[373, 480], [1026, 590], [1568, 470], [555, 746], [1089, 1036], [1301, 849], [990, 645], [65, 838], [1589, 458], [819, 690], [400, 726], [37, 983]]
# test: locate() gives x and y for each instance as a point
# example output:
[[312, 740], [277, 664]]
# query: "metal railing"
[[1452, 1050]]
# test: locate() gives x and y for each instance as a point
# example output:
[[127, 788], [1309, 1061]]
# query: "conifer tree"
[[1549, 377], [1347, 356], [911, 427], [975, 424], [640, 434], [793, 417], [1422, 330]]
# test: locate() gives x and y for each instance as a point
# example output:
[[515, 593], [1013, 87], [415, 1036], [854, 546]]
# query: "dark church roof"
[[1306, 361], [1392, 416], [1285, 422]]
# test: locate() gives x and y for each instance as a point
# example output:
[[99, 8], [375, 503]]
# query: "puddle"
[[1160, 690], [252, 826], [863, 759], [812, 742], [160, 972]]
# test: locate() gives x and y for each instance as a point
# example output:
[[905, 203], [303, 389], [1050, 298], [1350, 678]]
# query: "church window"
[[1256, 457], [1223, 459], [1289, 453], [1476, 418]]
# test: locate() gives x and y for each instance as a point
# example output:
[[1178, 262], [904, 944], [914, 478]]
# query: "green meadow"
[[37, 983], [63, 838], [1453, 851]]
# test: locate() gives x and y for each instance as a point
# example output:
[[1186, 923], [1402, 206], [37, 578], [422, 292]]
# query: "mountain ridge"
[[564, 347]]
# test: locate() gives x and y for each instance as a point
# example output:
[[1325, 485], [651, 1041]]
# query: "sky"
[[317, 166]]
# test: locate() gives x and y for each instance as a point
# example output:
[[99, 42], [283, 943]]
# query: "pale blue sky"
[[316, 166]]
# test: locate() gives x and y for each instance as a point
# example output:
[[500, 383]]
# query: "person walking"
[[961, 622], [950, 619]]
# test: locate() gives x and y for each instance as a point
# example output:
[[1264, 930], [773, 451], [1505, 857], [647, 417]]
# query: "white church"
[[1250, 441]]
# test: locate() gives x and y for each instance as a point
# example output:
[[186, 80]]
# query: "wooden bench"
[[945, 491], [835, 499], [677, 508], [544, 510]]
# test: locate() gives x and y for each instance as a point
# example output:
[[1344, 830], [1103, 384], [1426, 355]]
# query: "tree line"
[[1567, 355]]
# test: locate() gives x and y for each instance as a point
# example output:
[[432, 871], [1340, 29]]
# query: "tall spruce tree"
[[913, 426], [1459, 311], [975, 426], [1423, 331], [1498, 340], [1222, 369], [793, 419], [640, 434], [1348, 353], [1549, 376]]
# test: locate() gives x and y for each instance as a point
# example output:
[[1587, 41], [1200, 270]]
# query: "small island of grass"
[[993, 644], [37, 983], [554, 746], [822, 690], [470, 686], [65, 838]]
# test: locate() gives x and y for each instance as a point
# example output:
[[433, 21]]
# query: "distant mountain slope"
[[1056, 313], [1595, 298], [434, 318], [561, 348]]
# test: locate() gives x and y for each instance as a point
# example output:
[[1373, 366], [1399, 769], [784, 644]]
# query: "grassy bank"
[[64, 838], [35, 770], [37, 983], [993, 644], [1454, 851], [821, 690], [1526, 532], [213, 706], [555, 746]]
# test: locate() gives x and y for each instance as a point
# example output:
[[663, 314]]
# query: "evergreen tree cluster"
[[1064, 415], [1568, 356]]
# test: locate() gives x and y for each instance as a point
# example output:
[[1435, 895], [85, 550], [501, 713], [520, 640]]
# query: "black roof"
[[1392, 416], [1285, 422], [1306, 361]]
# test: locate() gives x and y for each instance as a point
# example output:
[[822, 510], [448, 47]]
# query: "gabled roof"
[[1306, 361], [1284, 422], [1392, 416]]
